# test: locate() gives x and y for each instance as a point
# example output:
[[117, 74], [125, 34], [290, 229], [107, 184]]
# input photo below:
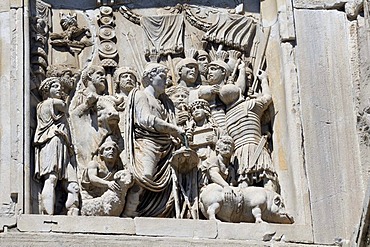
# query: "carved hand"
[[229, 194], [91, 98], [215, 89], [113, 186], [262, 75]]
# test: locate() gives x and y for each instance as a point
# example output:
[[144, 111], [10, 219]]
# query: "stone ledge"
[[265, 232], [72, 224], [176, 228], [7, 222], [160, 227], [16, 239]]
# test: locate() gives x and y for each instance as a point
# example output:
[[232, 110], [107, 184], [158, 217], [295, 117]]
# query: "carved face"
[[158, 82], [109, 153], [127, 82], [225, 149], [179, 99], [249, 78], [203, 64], [189, 73], [98, 80], [215, 74], [199, 114], [56, 90]]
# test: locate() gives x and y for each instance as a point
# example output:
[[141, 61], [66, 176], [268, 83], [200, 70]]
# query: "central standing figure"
[[149, 133]]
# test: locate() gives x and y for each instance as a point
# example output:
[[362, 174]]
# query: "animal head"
[[276, 211], [68, 20], [108, 117], [124, 177]]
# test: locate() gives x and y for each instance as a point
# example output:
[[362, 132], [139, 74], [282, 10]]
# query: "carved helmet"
[[220, 61], [200, 102], [123, 70]]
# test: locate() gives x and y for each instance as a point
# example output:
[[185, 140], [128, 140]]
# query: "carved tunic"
[[90, 191], [243, 121], [151, 146], [52, 142]]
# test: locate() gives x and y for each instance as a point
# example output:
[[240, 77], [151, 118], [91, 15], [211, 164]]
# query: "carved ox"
[[108, 119], [107, 114], [94, 126]]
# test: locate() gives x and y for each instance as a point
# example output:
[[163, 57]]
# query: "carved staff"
[[261, 59], [138, 65]]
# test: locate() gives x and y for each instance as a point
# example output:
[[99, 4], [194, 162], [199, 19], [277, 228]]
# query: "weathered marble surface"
[[317, 65]]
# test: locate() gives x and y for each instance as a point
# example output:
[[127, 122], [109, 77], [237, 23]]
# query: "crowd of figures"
[[183, 146]]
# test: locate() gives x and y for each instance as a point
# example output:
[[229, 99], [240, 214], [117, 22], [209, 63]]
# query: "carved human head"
[[96, 76], [109, 150], [68, 75], [179, 95], [203, 60], [51, 88], [155, 74], [218, 71], [187, 70], [225, 146], [125, 79], [200, 109]]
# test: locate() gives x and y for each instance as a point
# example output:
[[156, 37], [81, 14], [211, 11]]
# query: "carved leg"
[[213, 210], [72, 198], [48, 194], [257, 213], [132, 201]]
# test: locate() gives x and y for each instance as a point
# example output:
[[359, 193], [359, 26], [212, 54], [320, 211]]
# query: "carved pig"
[[250, 204]]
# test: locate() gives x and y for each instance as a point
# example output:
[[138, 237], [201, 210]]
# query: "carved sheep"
[[111, 203]]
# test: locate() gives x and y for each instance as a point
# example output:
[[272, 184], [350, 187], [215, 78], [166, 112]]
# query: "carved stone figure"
[[68, 75], [179, 96], [250, 204], [125, 80], [149, 140], [72, 35], [105, 182], [218, 72], [86, 134], [53, 148], [204, 132], [188, 70], [251, 159], [219, 169], [203, 60]]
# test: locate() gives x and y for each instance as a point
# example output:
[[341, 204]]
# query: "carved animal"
[[70, 29], [250, 204], [111, 203], [107, 114]]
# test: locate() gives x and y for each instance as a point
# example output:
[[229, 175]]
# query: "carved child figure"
[[105, 183], [179, 96], [53, 149], [219, 169], [204, 132], [251, 159]]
